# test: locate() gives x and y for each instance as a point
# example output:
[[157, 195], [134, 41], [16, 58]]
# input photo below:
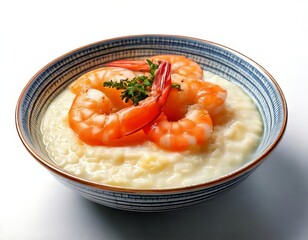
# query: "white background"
[[271, 204]]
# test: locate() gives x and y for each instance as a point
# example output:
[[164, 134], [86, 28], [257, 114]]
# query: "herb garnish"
[[137, 88]]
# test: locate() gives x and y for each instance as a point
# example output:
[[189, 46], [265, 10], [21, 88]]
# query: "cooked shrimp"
[[180, 65], [192, 130], [186, 121], [96, 78], [93, 119], [204, 95]]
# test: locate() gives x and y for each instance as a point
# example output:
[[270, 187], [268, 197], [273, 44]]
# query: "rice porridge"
[[236, 134]]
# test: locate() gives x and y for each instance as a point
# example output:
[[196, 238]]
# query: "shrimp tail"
[[162, 82], [135, 65]]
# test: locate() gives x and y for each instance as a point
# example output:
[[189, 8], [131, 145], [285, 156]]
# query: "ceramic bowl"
[[221, 60]]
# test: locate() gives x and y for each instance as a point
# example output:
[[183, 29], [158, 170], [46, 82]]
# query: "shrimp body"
[[203, 95], [192, 130], [180, 65], [95, 79], [93, 118], [186, 121]]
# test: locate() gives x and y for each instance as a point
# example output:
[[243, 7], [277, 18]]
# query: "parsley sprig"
[[137, 88]]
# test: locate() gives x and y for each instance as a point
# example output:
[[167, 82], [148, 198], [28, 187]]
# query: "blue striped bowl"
[[230, 64]]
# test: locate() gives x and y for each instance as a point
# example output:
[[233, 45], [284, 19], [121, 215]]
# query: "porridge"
[[237, 130]]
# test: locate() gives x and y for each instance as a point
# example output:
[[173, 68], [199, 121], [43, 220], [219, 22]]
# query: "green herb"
[[153, 68], [176, 85], [137, 88]]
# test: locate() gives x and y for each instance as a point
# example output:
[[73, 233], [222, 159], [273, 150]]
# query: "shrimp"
[[181, 67], [194, 129], [186, 121], [93, 119], [95, 79], [202, 94]]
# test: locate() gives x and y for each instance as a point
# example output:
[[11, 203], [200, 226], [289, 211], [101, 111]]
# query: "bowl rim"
[[220, 180]]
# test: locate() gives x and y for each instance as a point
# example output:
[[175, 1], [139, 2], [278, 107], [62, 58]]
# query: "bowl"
[[218, 59]]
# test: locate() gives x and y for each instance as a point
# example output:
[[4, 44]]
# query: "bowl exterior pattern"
[[149, 202], [58, 74]]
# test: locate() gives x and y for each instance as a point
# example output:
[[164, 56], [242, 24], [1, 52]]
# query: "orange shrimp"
[[92, 118], [192, 130], [96, 78], [186, 121], [202, 94], [180, 65]]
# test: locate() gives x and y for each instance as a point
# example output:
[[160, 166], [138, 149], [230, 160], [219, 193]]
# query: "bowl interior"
[[58, 74]]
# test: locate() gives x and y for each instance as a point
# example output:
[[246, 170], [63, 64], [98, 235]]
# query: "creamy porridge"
[[236, 134]]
